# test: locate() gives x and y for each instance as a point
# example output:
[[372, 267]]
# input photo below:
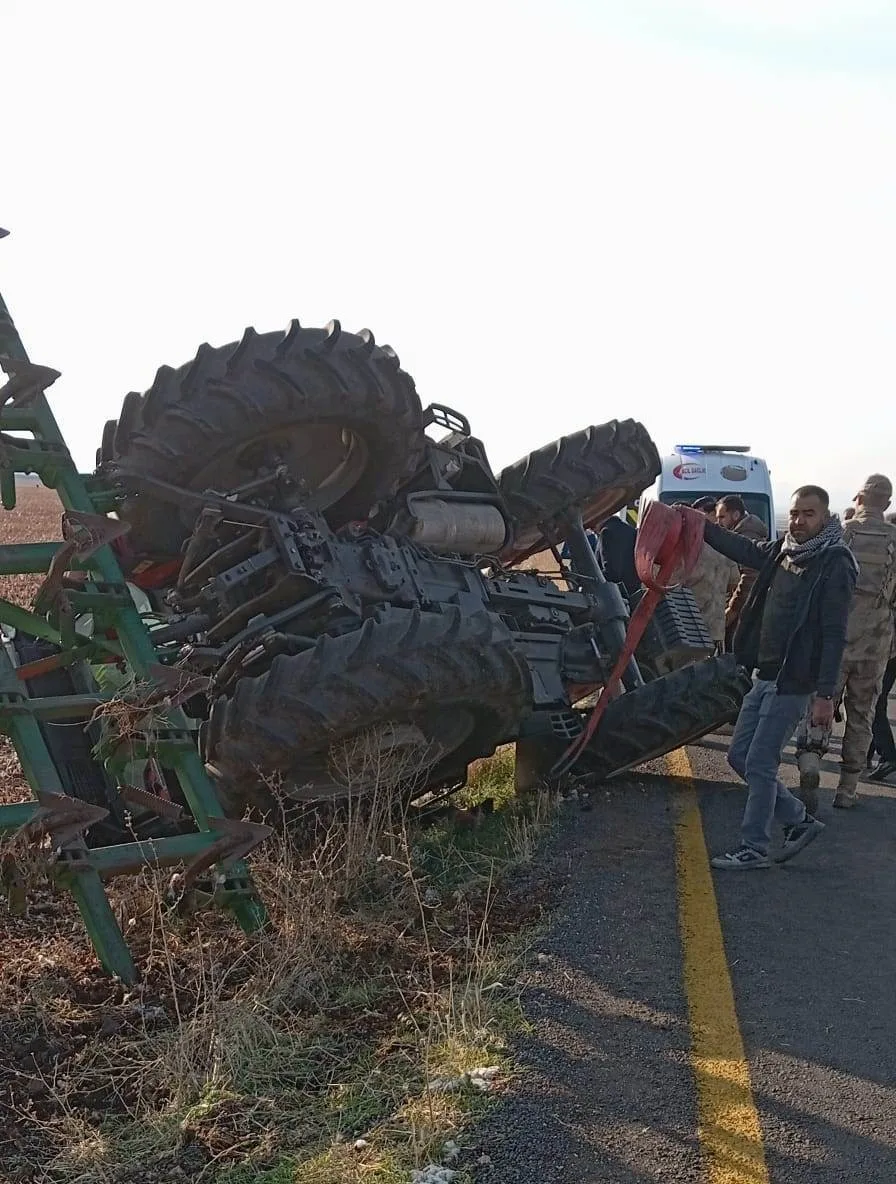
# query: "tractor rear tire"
[[674, 710], [336, 408], [597, 470], [391, 707]]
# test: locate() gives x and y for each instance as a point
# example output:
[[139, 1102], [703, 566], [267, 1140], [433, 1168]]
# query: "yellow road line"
[[727, 1120]]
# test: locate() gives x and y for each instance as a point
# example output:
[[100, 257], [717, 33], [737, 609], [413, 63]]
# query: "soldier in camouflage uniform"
[[882, 741], [869, 642]]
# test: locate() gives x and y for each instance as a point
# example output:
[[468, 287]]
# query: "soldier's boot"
[[846, 795], [809, 764]]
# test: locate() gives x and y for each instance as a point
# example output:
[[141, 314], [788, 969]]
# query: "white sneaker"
[[743, 859]]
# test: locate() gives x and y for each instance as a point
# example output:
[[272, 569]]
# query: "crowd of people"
[[811, 615]]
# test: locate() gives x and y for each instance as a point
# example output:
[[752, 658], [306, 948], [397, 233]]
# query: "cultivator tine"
[[89, 532], [26, 381], [61, 818], [84, 534], [56, 816], [238, 838], [50, 592], [161, 807]]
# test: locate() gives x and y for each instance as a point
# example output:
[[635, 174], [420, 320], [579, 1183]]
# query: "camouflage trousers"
[[859, 685]]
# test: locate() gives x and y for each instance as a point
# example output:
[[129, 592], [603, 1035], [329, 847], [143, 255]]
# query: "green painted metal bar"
[[20, 419], [119, 858], [26, 558], [37, 764], [98, 596], [10, 341], [35, 456], [8, 489], [87, 887], [52, 707], [18, 815], [129, 857], [105, 499], [102, 928], [28, 622]]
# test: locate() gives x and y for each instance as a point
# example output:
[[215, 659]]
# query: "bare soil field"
[[36, 518]]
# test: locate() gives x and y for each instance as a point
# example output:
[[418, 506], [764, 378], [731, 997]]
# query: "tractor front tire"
[[597, 470], [674, 710], [645, 723]]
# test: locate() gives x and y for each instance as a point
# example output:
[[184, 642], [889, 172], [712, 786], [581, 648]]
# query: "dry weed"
[[375, 976]]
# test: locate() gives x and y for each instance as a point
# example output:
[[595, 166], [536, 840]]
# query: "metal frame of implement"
[[55, 819]]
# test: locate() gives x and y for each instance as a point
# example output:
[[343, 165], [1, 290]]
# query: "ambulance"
[[692, 471]]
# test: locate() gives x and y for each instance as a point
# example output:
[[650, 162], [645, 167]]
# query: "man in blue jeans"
[[791, 635]]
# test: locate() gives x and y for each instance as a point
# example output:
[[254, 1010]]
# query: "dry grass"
[[249, 1058], [380, 973]]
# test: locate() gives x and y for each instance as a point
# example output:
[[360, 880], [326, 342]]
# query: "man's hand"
[[822, 713]]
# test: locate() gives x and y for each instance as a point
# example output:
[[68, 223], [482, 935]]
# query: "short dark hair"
[[704, 504], [733, 501], [813, 491]]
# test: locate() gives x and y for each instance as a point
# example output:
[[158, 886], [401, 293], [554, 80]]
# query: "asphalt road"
[[606, 1089]]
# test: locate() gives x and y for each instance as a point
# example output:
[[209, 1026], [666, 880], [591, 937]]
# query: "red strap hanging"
[[669, 542]]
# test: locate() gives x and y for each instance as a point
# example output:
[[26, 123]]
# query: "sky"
[[557, 213]]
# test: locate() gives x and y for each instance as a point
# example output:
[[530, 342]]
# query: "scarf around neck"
[[801, 553]]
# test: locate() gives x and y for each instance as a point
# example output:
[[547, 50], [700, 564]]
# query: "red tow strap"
[[669, 542]]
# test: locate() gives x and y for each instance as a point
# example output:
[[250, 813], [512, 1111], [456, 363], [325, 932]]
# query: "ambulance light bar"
[[695, 448]]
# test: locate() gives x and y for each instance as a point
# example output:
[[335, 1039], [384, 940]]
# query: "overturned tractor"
[[283, 560], [343, 579]]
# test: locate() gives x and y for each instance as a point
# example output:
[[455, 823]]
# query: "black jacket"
[[616, 551], [812, 659]]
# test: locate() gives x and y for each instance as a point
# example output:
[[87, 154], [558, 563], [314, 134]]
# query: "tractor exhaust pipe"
[[449, 522]]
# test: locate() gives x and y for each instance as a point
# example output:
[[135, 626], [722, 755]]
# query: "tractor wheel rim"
[[392, 757], [329, 459]]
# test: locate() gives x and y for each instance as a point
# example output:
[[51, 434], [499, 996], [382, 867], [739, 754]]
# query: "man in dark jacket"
[[616, 551], [614, 547], [791, 634]]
